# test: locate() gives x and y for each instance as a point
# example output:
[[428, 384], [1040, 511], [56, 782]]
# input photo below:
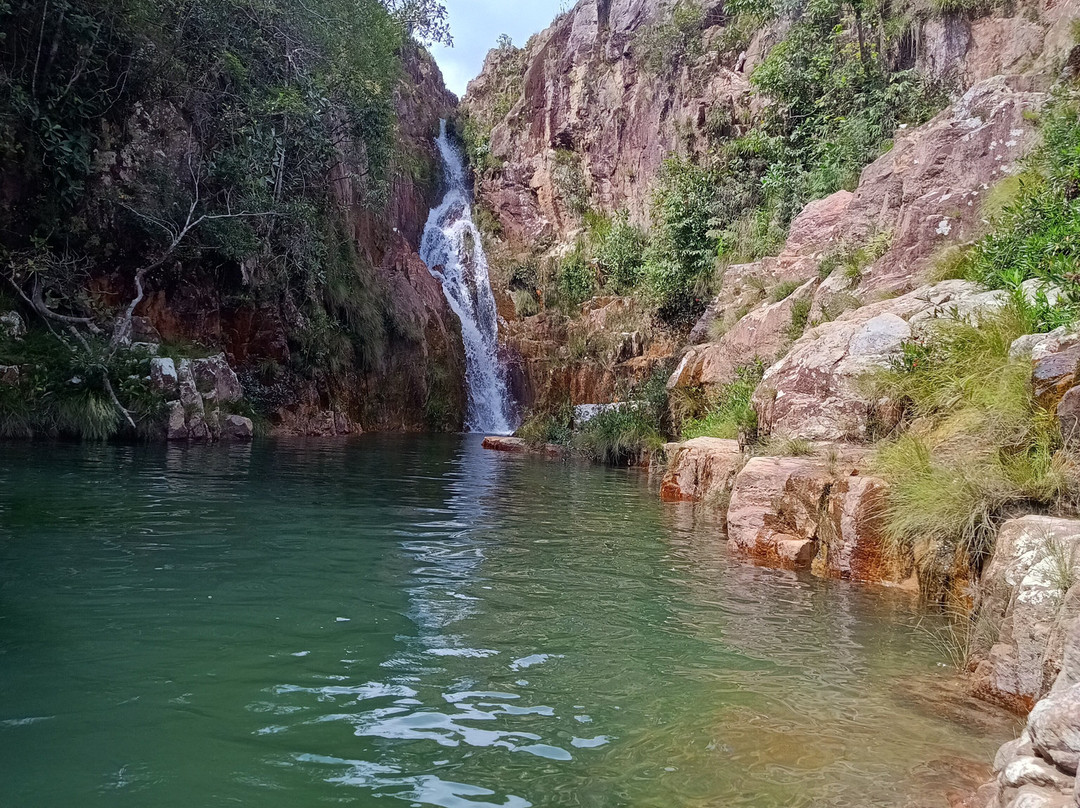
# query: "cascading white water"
[[453, 253]]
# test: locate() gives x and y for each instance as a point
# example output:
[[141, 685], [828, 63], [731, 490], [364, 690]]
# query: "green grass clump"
[[800, 315], [979, 446], [624, 436], [782, 291], [525, 303], [554, 425], [731, 411], [61, 390]]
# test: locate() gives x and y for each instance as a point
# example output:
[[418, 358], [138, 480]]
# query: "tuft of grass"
[[554, 425], [953, 263], [731, 411], [525, 303], [783, 290], [633, 433], [1061, 573], [788, 447], [800, 314], [982, 446], [620, 437]]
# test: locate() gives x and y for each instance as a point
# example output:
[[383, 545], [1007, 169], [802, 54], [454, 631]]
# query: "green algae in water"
[[416, 621]]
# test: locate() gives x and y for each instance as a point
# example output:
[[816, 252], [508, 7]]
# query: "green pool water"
[[416, 621]]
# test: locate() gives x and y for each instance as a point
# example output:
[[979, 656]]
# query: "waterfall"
[[453, 253]]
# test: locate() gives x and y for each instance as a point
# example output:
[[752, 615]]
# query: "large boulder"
[[236, 428], [1039, 768], [816, 392], [818, 512], [1026, 595], [701, 470], [215, 380], [763, 334]]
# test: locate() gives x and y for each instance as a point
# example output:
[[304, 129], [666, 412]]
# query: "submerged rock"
[[499, 443]]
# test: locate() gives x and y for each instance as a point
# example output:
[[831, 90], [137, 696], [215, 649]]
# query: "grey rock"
[[215, 380], [176, 428], [237, 427], [163, 376], [12, 325], [9, 375], [1020, 607], [189, 393], [1054, 725], [198, 430], [1029, 770], [1036, 346]]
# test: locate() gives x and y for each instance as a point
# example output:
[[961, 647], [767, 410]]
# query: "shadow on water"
[[419, 620]]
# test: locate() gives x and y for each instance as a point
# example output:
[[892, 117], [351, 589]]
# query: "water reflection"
[[421, 620]]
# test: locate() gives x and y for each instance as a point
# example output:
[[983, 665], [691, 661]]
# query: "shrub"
[[680, 261], [554, 425], [730, 413], [1037, 234], [62, 392], [672, 40], [576, 277], [619, 252]]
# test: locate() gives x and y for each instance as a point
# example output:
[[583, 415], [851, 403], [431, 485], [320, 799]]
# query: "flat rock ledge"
[[510, 445]]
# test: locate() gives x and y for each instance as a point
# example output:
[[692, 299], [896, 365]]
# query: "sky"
[[476, 24]]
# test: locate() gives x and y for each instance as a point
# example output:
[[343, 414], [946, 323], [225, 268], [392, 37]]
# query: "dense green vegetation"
[[1036, 235], [626, 434], [978, 444], [61, 391], [201, 142]]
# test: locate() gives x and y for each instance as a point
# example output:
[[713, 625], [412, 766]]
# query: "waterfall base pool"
[[415, 621]]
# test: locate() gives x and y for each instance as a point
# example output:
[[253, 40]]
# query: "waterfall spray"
[[453, 253]]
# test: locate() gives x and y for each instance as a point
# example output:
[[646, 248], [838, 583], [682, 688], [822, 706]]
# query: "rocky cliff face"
[[585, 115], [298, 260], [588, 122], [419, 381], [587, 112]]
